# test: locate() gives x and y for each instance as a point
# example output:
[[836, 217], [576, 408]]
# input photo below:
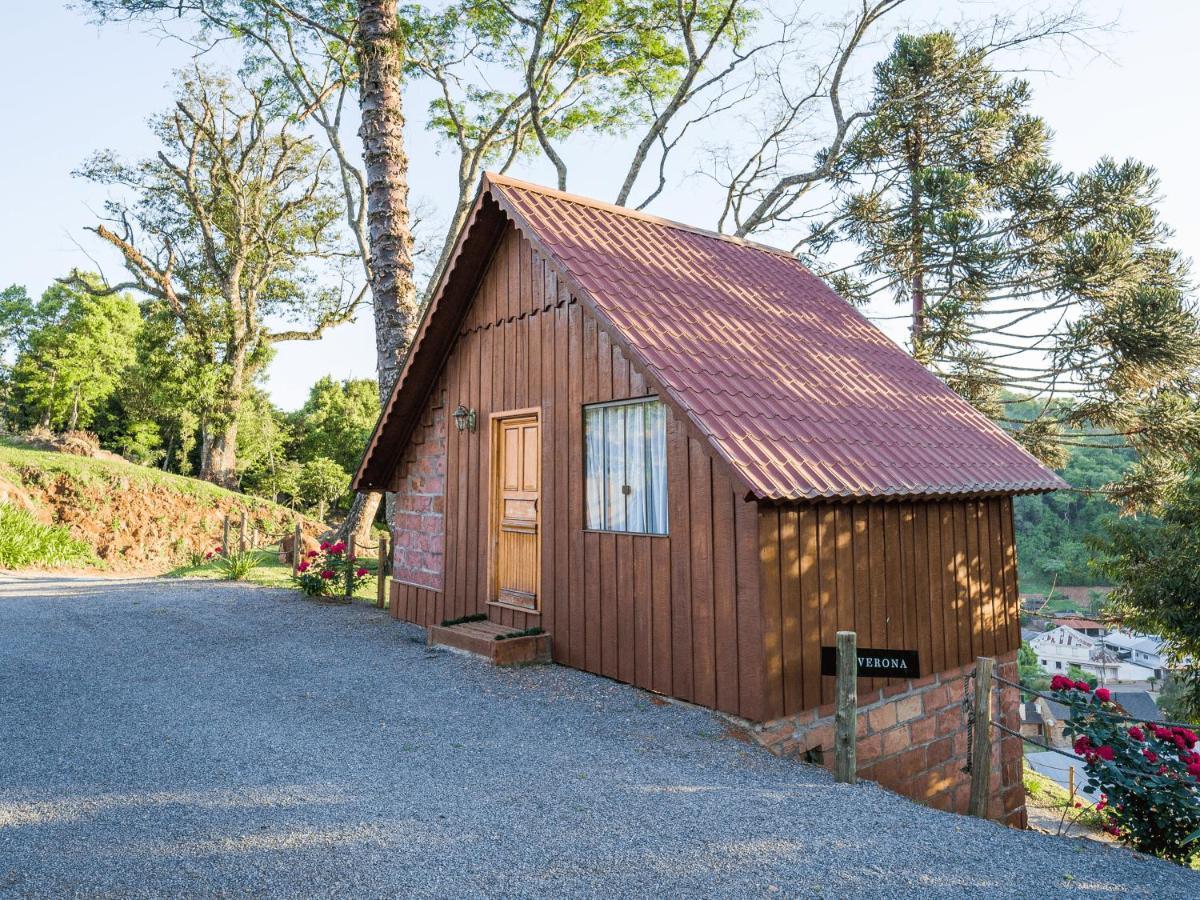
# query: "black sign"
[[876, 663]]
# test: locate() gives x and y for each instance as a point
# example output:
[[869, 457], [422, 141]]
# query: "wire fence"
[[1095, 711]]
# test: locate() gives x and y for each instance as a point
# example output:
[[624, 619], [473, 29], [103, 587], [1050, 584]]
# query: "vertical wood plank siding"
[[938, 577], [678, 614]]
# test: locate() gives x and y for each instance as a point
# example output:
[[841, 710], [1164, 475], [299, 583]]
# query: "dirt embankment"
[[135, 518]]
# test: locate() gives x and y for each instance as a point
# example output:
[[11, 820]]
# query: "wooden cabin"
[[689, 461]]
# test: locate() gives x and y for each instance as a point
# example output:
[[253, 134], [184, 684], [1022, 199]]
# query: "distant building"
[[1090, 627], [1138, 704], [1062, 647], [1141, 655]]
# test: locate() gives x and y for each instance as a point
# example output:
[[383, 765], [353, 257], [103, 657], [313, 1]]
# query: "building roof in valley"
[[791, 385], [1138, 704], [1078, 623]]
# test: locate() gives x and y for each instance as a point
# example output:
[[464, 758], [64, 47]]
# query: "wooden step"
[[479, 638]]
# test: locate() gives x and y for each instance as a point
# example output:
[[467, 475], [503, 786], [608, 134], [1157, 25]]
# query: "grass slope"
[[269, 572], [133, 518]]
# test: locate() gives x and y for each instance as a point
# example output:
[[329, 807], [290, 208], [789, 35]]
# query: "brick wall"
[[912, 739], [420, 533]]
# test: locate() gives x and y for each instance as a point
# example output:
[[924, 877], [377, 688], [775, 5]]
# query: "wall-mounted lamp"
[[464, 419]]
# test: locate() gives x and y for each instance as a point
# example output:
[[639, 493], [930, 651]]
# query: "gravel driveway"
[[175, 738]]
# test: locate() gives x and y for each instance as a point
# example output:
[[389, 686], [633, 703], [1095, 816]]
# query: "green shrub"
[[26, 542], [237, 564], [330, 571], [1149, 773]]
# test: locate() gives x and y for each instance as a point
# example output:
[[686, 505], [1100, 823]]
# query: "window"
[[625, 466], [1058, 664]]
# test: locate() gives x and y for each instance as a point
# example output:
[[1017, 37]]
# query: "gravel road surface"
[[164, 738]]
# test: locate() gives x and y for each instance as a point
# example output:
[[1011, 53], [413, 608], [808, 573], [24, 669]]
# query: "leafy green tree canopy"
[[75, 358]]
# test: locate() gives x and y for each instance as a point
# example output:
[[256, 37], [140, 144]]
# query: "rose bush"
[[327, 571], [1149, 774]]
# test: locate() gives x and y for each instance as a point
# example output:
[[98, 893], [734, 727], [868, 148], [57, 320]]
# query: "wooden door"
[[515, 529]]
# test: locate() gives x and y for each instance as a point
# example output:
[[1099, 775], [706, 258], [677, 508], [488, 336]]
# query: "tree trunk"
[[74, 419], [219, 464], [382, 131], [393, 293]]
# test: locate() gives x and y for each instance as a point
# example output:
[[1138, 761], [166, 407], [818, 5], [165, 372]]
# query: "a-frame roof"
[[792, 386]]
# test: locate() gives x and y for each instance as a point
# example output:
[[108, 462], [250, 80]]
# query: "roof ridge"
[[579, 199]]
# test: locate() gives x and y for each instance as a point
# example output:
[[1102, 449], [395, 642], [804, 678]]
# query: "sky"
[[70, 88]]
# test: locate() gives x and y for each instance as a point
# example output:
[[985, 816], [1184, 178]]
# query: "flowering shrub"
[[1149, 773], [326, 572]]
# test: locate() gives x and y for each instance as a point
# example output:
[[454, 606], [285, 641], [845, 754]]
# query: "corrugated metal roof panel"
[[792, 385]]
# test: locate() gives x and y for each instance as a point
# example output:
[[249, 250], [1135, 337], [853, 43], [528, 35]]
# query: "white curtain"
[[625, 463], [635, 466], [656, 468], [593, 439]]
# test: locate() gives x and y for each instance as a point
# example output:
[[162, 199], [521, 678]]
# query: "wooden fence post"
[[242, 533], [845, 763], [350, 568], [225, 536], [981, 752], [297, 539], [381, 574]]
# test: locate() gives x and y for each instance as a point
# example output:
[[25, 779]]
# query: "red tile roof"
[[791, 385]]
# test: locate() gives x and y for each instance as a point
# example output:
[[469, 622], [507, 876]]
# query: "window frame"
[[628, 401]]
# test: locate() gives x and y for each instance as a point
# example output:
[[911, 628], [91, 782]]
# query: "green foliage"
[[335, 421], [26, 542], [1148, 774], [528, 632], [461, 620], [1154, 561], [1053, 530], [1029, 671], [330, 572], [235, 565], [73, 361], [320, 481]]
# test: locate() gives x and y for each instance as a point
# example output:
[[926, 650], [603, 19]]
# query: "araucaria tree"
[[1024, 281], [234, 229]]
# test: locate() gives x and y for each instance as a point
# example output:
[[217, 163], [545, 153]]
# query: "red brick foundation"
[[912, 739], [419, 534]]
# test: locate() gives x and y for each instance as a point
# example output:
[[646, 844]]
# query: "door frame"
[[494, 485]]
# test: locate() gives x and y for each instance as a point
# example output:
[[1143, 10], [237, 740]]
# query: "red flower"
[[1103, 695], [311, 553], [208, 555], [1082, 686], [1078, 805], [1189, 736], [1137, 734], [303, 567], [1061, 683], [1083, 744], [219, 550], [1194, 769], [1106, 753], [360, 572], [327, 574], [1103, 803], [337, 548], [1113, 830], [324, 545], [1150, 755]]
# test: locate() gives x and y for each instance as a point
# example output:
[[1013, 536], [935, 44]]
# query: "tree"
[[321, 481], [1032, 677], [1154, 561], [336, 421], [949, 196], [226, 228], [75, 358]]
